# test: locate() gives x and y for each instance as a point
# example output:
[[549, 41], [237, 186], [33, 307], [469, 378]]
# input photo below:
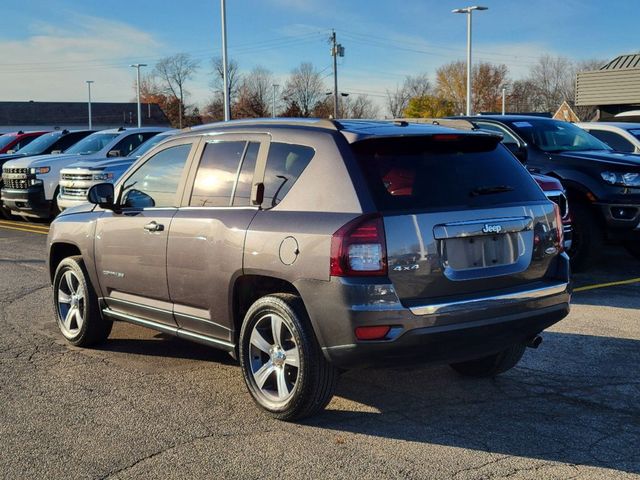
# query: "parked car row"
[[602, 185], [31, 175]]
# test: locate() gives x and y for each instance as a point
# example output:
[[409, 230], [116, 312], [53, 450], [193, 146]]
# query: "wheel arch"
[[58, 252]]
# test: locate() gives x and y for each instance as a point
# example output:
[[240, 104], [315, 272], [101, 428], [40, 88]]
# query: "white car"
[[31, 184], [621, 136], [77, 179]]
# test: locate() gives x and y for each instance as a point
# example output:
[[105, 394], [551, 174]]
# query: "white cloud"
[[52, 63]]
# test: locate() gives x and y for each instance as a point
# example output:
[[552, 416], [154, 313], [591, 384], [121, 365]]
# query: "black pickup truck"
[[603, 186]]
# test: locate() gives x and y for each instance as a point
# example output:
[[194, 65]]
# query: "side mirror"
[[102, 195], [519, 151], [114, 153]]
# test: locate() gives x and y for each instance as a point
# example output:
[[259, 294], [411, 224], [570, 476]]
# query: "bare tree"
[[234, 76], [361, 107], [488, 80], [255, 94], [173, 72], [413, 86], [305, 88], [553, 79]]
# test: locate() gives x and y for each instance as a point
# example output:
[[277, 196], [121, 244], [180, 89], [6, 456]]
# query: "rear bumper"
[[30, 201], [439, 332]]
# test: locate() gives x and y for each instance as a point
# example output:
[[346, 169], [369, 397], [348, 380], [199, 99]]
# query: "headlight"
[[40, 170], [102, 176], [623, 179]]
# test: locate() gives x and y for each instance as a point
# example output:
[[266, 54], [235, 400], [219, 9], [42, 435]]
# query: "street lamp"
[[469, 11], [137, 67], [89, 82], [504, 99], [273, 106], [225, 73]]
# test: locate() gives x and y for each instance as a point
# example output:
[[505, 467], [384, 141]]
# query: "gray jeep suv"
[[307, 246]]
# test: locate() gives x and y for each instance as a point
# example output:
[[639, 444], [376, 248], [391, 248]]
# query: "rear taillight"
[[359, 248], [559, 228]]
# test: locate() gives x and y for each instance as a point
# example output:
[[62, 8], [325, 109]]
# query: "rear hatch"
[[463, 218]]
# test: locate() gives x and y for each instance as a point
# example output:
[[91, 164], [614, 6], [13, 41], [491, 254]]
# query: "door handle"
[[154, 227]]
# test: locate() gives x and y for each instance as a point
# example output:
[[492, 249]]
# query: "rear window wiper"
[[490, 190]]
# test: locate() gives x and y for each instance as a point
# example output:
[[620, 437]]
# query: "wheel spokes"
[[263, 373], [283, 389], [276, 330], [78, 318], [258, 341], [68, 277], [293, 358], [68, 317], [63, 297]]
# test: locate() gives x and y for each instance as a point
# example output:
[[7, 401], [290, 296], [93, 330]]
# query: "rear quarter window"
[[406, 174], [285, 164]]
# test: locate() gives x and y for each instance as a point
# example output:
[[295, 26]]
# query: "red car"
[[13, 141]]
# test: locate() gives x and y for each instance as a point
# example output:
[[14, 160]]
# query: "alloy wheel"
[[70, 302], [274, 358]]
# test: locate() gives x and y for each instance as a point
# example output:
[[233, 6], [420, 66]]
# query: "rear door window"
[[425, 174], [131, 142], [217, 174], [285, 163]]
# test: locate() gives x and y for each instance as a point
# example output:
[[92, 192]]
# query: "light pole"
[[504, 100], [469, 11], [89, 82], [225, 73], [137, 67], [273, 106]]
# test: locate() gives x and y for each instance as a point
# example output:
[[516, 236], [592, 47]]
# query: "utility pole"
[[225, 73], [273, 105], [89, 82], [336, 51], [137, 67]]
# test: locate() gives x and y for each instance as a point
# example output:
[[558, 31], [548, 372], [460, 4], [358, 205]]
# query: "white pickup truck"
[[31, 185], [77, 179]]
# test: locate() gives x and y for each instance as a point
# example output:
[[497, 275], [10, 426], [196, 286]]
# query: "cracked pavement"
[[148, 406]]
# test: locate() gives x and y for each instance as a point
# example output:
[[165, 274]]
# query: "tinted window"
[[508, 138], [242, 196], [148, 145], [419, 173], [614, 140], [23, 143], [285, 163], [40, 144], [155, 183], [69, 140], [635, 132], [217, 173], [6, 140], [556, 136], [92, 144], [131, 142]]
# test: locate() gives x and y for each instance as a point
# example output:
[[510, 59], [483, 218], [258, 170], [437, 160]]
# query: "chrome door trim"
[[489, 302]]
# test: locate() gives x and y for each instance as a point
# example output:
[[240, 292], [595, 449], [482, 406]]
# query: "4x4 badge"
[[491, 228]]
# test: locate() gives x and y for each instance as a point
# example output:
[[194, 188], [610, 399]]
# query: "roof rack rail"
[[327, 123]]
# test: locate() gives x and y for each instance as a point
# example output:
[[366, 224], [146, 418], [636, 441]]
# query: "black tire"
[[633, 248], [5, 213], [491, 365], [94, 329], [315, 378], [587, 239]]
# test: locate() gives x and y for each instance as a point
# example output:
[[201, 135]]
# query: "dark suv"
[[603, 186], [304, 246]]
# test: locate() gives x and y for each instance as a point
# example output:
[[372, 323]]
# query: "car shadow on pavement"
[[574, 400], [166, 346]]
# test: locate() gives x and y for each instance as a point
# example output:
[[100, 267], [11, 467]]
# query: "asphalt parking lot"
[[149, 406]]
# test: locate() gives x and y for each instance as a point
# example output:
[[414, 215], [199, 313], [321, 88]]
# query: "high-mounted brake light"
[[559, 228], [446, 137], [359, 248]]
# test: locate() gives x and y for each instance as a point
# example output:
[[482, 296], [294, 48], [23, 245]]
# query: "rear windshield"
[[424, 174]]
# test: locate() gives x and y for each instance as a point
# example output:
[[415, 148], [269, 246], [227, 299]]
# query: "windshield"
[[92, 144], [6, 140], [148, 145], [557, 136], [635, 132], [40, 144]]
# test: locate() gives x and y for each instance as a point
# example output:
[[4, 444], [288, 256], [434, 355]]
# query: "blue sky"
[[49, 48]]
